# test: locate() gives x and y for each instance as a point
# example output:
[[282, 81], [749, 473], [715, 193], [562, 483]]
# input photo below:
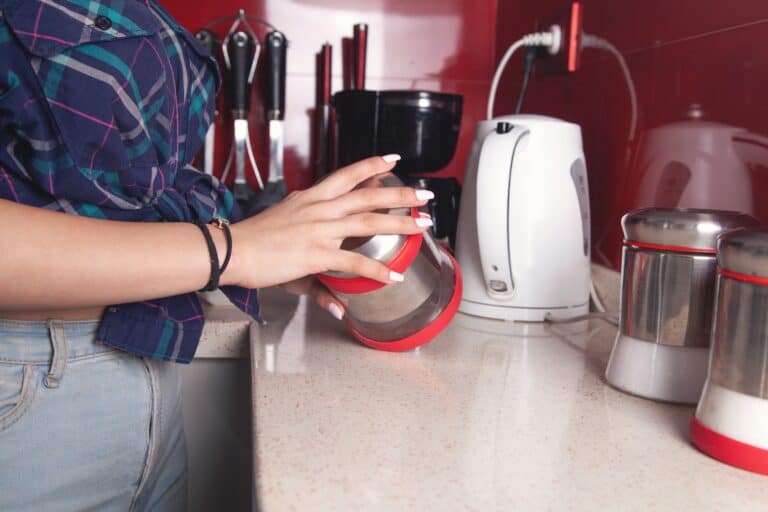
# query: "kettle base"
[[521, 314]]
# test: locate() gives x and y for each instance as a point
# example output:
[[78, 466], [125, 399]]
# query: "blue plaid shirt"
[[103, 105]]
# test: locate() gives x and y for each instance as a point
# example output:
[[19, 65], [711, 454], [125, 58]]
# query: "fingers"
[[326, 300], [320, 294], [369, 199], [370, 224], [357, 264], [301, 286], [347, 178]]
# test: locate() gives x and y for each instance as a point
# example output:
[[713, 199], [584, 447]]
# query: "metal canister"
[[731, 421], [667, 299], [405, 315]]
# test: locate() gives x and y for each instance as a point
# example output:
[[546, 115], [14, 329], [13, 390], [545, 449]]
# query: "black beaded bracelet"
[[213, 282]]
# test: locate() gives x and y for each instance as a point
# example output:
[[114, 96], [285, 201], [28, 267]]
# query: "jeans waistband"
[[31, 341]]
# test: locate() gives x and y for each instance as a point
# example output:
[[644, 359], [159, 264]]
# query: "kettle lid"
[[684, 228]]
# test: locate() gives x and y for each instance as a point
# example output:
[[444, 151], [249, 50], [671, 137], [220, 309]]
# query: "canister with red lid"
[[731, 420], [399, 316]]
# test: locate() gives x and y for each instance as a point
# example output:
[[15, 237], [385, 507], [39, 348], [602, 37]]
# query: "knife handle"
[[276, 56], [326, 57], [241, 54], [207, 40], [360, 43]]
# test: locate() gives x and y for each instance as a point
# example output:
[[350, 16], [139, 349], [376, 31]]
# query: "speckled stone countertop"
[[225, 334], [490, 416]]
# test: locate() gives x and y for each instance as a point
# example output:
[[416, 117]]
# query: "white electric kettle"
[[523, 235]]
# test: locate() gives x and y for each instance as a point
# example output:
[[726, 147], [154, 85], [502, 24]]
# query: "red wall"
[[679, 53], [443, 45]]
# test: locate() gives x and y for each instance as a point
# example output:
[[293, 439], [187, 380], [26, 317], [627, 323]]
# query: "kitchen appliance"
[[697, 162], [398, 316], [274, 190], [523, 234], [210, 42], [241, 51], [421, 126], [443, 208], [731, 420], [667, 297]]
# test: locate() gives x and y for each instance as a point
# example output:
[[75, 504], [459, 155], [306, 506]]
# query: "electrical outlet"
[[567, 60]]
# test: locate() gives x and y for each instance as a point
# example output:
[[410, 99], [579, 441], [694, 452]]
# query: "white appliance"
[[523, 236], [699, 164]]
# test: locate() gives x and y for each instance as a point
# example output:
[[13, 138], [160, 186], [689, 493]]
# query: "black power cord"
[[530, 55]]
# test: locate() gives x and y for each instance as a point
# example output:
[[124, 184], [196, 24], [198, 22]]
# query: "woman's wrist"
[[220, 241], [228, 277]]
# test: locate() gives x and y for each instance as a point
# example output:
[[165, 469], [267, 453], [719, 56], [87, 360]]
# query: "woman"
[[105, 236]]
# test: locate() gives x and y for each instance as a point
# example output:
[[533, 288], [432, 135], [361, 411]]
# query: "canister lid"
[[745, 252], [380, 247], [679, 229]]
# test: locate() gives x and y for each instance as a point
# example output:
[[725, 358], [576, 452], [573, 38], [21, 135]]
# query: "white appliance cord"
[[550, 39], [596, 300], [593, 41]]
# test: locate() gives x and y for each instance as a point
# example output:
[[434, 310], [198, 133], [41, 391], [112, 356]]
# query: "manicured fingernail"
[[424, 223], [425, 215], [336, 311], [396, 276], [388, 159], [423, 195]]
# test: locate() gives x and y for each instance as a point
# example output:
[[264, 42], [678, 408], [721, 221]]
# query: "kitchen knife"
[[209, 41], [323, 112], [241, 51], [360, 48], [274, 191]]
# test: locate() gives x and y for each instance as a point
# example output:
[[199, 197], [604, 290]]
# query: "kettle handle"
[[494, 177]]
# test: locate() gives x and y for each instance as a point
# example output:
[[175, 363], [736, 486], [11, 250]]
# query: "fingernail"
[[336, 311], [425, 215], [423, 195], [424, 223], [388, 159], [396, 276]]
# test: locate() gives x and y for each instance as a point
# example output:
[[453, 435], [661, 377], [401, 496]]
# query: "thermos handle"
[[276, 56], [497, 156], [241, 55]]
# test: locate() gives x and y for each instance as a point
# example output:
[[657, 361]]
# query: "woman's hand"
[[302, 235], [311, 286]]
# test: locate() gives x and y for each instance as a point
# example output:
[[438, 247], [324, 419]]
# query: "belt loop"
[[60, 354]]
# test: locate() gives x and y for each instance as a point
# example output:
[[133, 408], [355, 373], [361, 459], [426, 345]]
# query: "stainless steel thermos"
[[667, 298]]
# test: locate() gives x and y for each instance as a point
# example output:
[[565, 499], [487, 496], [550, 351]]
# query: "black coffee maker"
[[421, 126]]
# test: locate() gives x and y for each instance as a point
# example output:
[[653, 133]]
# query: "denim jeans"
[[86, 427]]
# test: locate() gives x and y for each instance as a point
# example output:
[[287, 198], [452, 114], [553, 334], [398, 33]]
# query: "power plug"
[[566, 57]]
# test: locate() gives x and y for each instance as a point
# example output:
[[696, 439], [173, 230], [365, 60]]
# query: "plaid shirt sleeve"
[[103, 105]]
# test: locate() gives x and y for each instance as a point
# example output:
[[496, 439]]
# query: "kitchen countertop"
[[489, 416], [225, 333]]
